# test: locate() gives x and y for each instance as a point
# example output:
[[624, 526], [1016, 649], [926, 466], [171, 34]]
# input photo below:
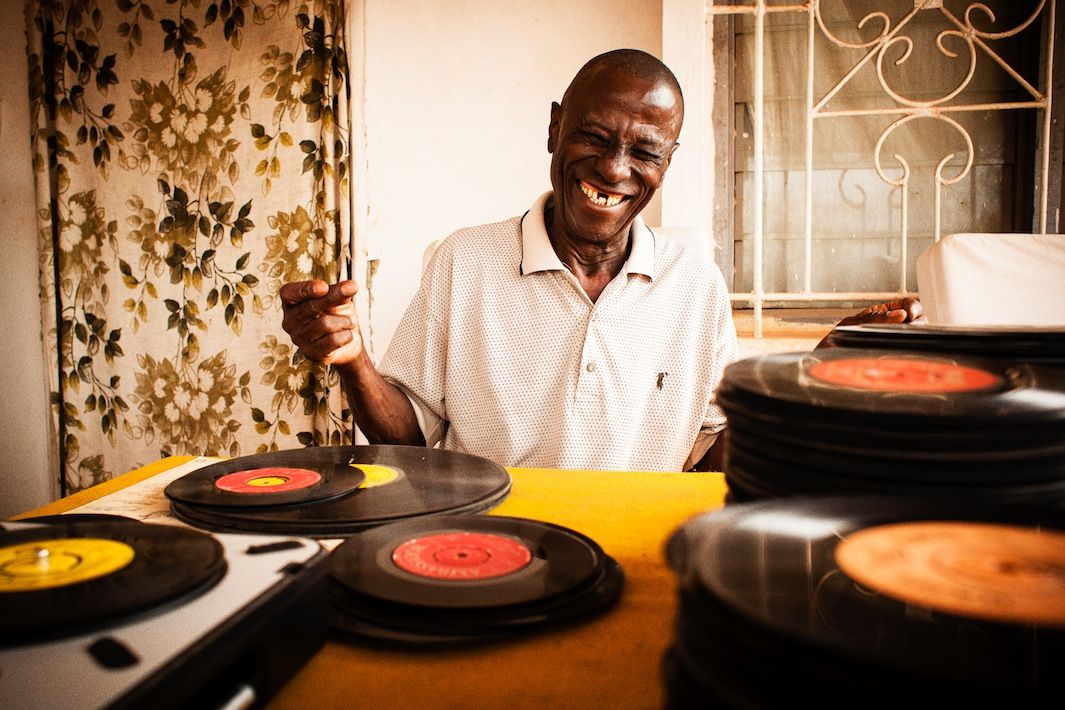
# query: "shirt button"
[[590, 367]]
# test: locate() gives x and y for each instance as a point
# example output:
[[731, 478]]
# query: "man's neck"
[[594, 264]]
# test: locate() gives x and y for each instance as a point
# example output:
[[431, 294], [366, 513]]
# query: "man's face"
[[610, 143]]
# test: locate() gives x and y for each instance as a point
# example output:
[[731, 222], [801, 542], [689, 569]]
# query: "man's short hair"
[[632, 61]]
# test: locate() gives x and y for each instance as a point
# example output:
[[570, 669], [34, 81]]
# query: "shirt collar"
[[537, 254]]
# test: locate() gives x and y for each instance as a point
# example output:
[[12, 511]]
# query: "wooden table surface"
[[612, 661]]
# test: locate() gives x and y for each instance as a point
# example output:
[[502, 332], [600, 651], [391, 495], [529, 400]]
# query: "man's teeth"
[[603, 199]]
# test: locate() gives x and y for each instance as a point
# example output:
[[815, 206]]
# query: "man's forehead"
[[652, 105], [656, 128]]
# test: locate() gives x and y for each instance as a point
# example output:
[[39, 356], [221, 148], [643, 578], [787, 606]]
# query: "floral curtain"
[[191, 156]]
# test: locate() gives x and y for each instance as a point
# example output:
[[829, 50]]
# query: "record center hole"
[[267, 481], [40, 562]]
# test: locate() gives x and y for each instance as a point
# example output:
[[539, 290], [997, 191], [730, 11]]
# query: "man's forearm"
[[714, 458], [382, 411]]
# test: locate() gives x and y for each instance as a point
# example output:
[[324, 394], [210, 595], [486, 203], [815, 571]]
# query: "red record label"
[[460, 556], [903, 375], [268, 480]]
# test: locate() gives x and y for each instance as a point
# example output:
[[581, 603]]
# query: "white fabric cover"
[[994, 279]]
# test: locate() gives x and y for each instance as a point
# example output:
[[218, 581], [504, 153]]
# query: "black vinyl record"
[[268, 479], [875, 422], [888, 597], [788, 461], [465, 562], [1042, 345], [458, 579], [857, 387], [368, 617], [402, 482], [65, 576]]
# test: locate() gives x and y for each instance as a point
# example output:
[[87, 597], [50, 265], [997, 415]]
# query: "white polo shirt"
[[503, 355]]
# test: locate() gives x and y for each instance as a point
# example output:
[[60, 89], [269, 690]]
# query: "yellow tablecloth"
[[608, 662]]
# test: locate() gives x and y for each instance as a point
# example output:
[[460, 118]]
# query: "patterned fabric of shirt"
[[503, 355]]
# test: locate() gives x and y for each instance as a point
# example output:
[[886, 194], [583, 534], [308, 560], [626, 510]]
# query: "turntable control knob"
[[112, 653]]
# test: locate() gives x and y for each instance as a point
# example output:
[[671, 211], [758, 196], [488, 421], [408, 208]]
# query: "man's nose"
[[613, 165]]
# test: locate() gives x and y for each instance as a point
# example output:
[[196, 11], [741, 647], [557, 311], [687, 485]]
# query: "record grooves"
[[562, 575], [874, 422], [890, 600], [270, 479], [1045, 346], [66, 576], [392, 483], [98, 611]]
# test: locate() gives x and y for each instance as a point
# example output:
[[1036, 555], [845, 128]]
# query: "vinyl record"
[[786, 458], [891, 596], [883, 436], [462, 579], [405, 482], [1041, 345], [65, 576], [268, 479], [871, 422], [399, 623], [848, 386], [465, 562]]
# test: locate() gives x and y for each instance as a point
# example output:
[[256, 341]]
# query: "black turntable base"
[[98, 613]]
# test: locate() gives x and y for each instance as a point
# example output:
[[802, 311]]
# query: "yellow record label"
[[376, 475], [267, 481], [986, 571], [46, 564]]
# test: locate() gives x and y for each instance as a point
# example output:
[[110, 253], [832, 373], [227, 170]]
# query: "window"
[[914, 119]]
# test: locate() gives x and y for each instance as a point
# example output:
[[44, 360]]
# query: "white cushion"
[[994, 279]]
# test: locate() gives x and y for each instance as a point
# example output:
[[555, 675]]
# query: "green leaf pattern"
[[191, 156]]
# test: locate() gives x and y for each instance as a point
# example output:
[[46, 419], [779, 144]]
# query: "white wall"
[[25, 481], [457, 100]]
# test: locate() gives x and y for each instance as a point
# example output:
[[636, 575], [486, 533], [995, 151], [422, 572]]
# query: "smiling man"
[[569, 337]]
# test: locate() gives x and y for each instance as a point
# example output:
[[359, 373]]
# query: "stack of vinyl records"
[[868, 602], [458, 579], [1040, 345], [855, 421], [335, 491]]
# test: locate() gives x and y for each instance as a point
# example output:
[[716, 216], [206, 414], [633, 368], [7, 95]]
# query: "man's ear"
[[669, 158], [552, 126]]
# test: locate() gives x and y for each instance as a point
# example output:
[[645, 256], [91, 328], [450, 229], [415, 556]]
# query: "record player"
[[254, 612]]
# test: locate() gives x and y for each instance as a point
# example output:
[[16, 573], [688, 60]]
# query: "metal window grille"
[[898, 110]]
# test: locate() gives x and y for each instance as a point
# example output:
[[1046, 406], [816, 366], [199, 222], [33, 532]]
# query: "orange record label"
[[903, 375], [274, 479], [46, 564], [986, 571], [376, 475], [461, 556]]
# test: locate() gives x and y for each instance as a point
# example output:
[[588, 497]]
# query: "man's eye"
[[595, 138], [648, 156]]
